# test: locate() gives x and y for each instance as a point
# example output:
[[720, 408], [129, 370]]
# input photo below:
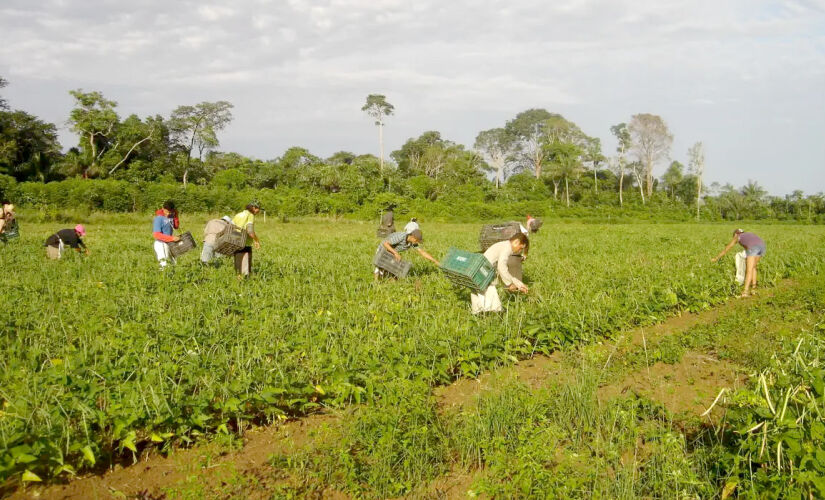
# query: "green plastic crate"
[[468, 269]]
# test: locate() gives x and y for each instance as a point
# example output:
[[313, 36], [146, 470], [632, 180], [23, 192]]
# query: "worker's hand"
[[257, 244], [523, 258], [88, 252], [176, 238], [715, 259], [397, 256], [523, 289], [512, 287]]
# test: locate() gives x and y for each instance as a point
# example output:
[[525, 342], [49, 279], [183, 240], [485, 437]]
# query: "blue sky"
[[746, 77]]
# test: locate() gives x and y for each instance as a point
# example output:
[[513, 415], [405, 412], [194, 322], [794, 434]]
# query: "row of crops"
[[105, 356]]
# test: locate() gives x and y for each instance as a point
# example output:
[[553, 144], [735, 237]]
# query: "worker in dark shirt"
[[66, 238]]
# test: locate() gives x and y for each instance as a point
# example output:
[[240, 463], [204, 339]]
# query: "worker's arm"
[[2, 224], [508, 279], [81, 247], [391, 250], [730, 245], [427, 256], [165, 237], [250, 230]]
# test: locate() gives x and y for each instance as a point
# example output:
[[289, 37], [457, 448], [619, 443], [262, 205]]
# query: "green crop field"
[[107, 355]]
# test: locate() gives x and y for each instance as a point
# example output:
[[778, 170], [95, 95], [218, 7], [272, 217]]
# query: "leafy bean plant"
[[777, 443], [107, 356]]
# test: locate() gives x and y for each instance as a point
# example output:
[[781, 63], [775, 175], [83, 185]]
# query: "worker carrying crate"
[[493, 233], [468, 269], [394, 244]]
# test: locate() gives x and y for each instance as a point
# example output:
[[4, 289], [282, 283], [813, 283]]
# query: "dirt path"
[[689, 385], [209, 464]]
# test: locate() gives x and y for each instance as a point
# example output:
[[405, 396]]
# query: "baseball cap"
[[416, 233], [79, 229]]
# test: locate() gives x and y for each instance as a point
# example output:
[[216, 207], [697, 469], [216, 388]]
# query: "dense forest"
[[538, 161]]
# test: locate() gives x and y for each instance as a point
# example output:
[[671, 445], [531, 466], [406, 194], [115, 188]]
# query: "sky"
[[745, 77]]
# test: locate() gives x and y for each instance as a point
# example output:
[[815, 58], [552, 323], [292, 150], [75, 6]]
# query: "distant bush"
[[226, 193]]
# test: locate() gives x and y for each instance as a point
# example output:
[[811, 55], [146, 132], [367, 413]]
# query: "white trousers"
[[208, 253], [741, 266], [485, 302], [162, 252]]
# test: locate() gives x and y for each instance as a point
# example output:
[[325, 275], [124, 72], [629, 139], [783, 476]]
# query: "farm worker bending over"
[[246, 220], [533, 225], [165, 221], [213, 228], [754, 250], [63, 238], [499, 255], [411, 226], [387, 225], [8, 224], [401, 242]]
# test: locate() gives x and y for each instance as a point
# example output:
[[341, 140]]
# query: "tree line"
[[537, 157]]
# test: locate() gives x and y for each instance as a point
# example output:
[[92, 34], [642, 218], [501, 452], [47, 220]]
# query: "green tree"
[[377, 107], [563, 146], [94, 119], [753, 192], [673, 177], [565, 162], [128, 137], [527, 131], [732, 204], [196, 127], [651, 142], [28, 146], [421, 155]]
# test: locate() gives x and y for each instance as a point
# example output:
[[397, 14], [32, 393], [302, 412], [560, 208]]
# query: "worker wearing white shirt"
[[411, 226], [499, 256]]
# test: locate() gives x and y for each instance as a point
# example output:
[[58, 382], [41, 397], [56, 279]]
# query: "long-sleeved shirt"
[[498, 255], [162, 227], [69, 238]]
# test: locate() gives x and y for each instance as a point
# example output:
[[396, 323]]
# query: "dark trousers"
[[243, 261]]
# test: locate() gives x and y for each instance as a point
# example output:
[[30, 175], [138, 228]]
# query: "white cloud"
[[215, 12], [711, 69]]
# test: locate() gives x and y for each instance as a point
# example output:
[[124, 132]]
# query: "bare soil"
[[206, 463], [686, 387]]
